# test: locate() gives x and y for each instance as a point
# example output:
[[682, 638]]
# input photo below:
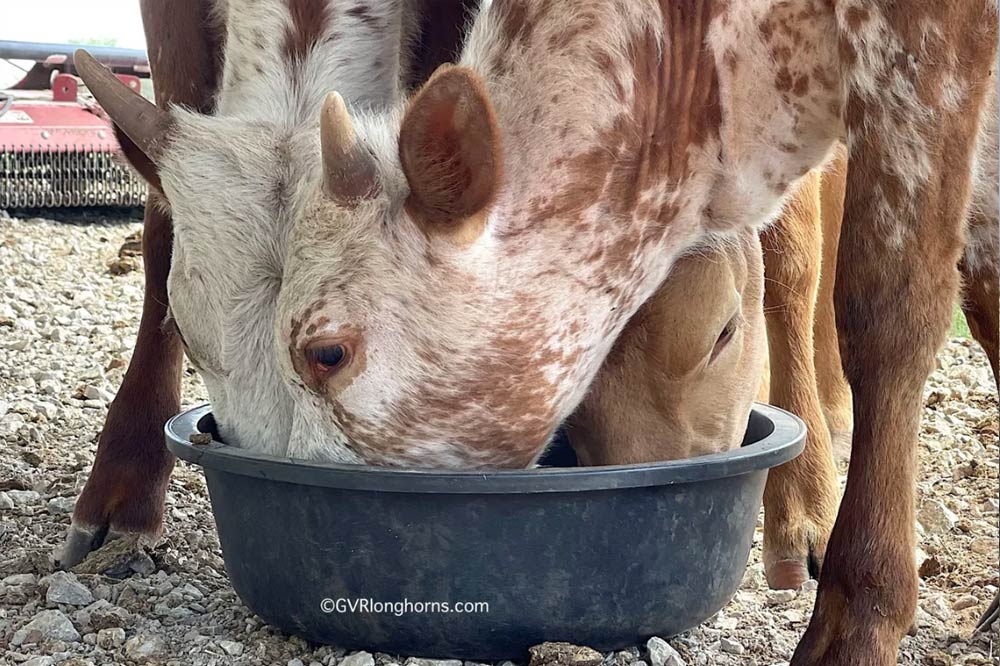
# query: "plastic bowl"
[[384, 559]]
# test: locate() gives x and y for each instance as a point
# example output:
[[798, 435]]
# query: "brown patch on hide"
[[508, 383], [856, 17], [309, 20], [674, 107]]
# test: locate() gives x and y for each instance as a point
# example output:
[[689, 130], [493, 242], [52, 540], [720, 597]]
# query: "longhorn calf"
[[224, 58]]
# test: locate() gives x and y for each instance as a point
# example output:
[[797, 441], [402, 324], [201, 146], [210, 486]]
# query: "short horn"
[[348, 170], [142, 121]]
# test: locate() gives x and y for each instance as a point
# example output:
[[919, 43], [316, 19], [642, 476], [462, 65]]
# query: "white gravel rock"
[[110, 638], [24, 497], [661, 653], [61, 504], [64, 588], [48, 625], [965, 601], [420, 661], [780, 597], [146, 648], [44, 660], [358, 659], [730, 646], [935, 517], [98, 393], [937, 608]]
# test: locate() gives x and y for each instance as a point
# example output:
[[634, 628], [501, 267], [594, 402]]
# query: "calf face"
[[681, 377]]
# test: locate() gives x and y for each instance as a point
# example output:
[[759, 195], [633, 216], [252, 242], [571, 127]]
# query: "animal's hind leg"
[[980, 264], [911, 139], [800, 499], [981, 303], [834, 391]]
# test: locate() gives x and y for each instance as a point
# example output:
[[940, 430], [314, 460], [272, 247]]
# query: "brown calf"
[[680, 378]]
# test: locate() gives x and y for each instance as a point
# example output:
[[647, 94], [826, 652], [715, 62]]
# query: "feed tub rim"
[[784, 442]]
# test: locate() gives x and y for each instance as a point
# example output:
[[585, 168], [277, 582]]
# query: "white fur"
[[234, 180]]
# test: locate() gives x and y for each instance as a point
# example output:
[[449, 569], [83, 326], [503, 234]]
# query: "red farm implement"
[[57, 148]]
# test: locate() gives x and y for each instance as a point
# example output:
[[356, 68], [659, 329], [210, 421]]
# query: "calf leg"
[[800, 499], [980, 263], [834, 392], [127, 484], [911, 142]]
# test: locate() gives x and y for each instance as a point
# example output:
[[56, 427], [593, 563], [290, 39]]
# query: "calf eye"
[[320, 360], [724, 338], [326, 357]]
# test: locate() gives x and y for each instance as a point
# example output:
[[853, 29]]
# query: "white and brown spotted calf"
[[259, 70], [452, 283]]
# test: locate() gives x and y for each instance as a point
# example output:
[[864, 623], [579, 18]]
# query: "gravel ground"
[[69, 307]]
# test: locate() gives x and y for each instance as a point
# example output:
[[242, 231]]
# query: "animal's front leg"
[[127, 484], [911, 141], [126, 488]]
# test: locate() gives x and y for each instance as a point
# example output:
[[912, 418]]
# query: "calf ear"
[[146, 125], [449, 146]]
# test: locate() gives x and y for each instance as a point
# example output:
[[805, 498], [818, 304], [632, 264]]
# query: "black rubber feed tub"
[[375, 558]]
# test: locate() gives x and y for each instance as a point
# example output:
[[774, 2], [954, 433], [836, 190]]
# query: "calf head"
[[399, 349], [681, 377], [231, 179]]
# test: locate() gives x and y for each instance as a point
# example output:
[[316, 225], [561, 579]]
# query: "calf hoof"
[[859, 623], [794, 553], [80, 541], [107, 510], [853, 648], [787, 574]]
